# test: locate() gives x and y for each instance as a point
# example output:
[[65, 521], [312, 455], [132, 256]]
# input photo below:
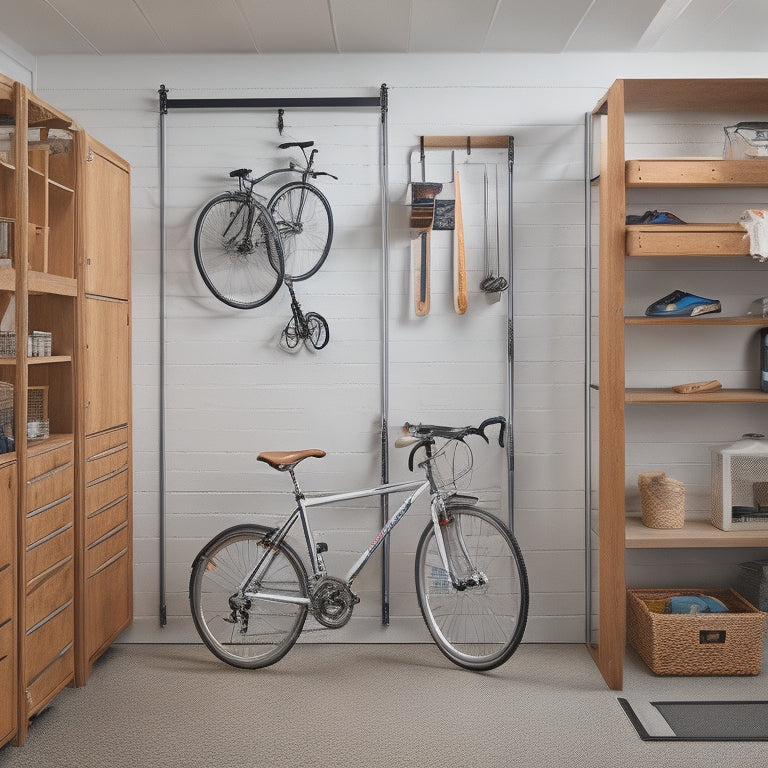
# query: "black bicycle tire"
[[493, 660], [198, 565], [323, 324], [326, 205], [276, 259]]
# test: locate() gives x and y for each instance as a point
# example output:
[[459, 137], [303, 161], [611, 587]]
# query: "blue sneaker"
[[654, 217], [681, 304]]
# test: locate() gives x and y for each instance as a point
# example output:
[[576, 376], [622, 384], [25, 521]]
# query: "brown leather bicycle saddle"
[[282, 460]]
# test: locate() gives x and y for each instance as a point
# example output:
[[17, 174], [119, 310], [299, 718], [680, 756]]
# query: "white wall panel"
[[232, 393]]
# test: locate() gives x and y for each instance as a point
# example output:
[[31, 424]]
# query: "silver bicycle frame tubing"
[[301, 513], [384, 532]]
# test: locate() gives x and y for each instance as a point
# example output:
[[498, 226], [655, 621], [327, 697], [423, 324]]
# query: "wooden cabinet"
[[707, 253], [66, 534], [105, 570], [8, 593]]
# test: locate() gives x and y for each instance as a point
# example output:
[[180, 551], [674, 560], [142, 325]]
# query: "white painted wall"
[[231, 393]]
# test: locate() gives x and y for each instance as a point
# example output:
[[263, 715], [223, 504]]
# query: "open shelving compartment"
[[632, 396]]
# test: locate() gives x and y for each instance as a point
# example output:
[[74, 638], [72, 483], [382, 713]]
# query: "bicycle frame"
[[318, 567]]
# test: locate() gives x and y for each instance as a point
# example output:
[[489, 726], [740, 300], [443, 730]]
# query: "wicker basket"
[[662, 500], [701, 644]]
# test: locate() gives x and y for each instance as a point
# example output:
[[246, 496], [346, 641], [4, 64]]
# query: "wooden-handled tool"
[[422, 219], [459, 256]]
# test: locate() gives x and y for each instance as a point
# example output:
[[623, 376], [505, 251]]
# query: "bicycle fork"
[[452, 547]]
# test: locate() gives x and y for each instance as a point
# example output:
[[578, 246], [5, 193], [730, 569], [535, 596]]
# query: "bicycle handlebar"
[[429, 431]]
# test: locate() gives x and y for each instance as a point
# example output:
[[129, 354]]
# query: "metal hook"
[[280, 125], [469, 145]]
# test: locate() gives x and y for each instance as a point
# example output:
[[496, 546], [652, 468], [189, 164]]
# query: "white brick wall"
[[232, 393]]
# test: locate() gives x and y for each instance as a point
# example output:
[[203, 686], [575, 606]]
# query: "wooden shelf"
[[38, 360], [710, 319], [662, 396], [695, 533], [687, 240], [696, 172], [42, 282]]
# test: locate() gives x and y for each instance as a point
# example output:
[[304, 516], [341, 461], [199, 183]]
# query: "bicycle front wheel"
[[480, 626], [238, 626], [238, 251], [305, 223]]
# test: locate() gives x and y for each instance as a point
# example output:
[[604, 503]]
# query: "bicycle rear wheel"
[[478, 627], [303, 217], [242, 268], [243, 630]]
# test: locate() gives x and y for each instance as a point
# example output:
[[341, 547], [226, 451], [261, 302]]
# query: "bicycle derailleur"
[[332, 602]]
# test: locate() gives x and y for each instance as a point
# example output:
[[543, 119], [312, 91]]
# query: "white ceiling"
[[396, 26]]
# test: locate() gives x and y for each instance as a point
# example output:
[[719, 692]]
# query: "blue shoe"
[[654, 217], [681, 304]]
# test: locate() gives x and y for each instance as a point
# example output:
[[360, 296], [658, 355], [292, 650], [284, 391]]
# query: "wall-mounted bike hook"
[[280, 125]]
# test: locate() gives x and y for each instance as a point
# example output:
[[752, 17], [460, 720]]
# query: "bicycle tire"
[[306, 240], [479, 627], [270, 628], [242, 274], [318, 334]]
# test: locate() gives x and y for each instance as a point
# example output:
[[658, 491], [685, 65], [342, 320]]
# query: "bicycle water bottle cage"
[[299, 144], [240, 173]]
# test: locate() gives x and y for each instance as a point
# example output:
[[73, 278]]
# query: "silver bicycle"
[[250, 592]]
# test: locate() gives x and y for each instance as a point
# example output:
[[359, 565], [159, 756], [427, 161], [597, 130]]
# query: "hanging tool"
[[459, 256], [421, 223], [493, 282]]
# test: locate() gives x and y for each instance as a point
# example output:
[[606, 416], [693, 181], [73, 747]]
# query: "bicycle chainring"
[[332, 602]]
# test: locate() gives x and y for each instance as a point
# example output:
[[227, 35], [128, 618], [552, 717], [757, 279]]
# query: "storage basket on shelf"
[[6, 408], [38, 425], [696, 644], [752, 582], [740, 485], [662, 500]]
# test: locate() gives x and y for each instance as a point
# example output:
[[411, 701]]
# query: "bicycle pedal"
[[321, 547]]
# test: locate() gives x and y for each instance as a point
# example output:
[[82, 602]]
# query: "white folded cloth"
[[756, 223]]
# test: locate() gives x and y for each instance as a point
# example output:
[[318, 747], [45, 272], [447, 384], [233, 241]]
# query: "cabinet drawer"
[[7, 512], [109, 604], [105, 519], [7, 689], [47, 641], [105, 441], [106, 549], [46, 460], [59, 671], [53, 484], [7, 595], [45, 520], [45, 554], [102, 492], [49, 595], [106, 463]]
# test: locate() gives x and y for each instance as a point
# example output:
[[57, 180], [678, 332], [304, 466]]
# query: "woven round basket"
[[662, 500]]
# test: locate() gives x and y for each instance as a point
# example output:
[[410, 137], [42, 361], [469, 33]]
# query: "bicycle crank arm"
[[276, 598]]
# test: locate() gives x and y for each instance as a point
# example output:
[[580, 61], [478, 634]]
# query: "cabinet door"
[[7, 601], [107, 364], [106, 224]]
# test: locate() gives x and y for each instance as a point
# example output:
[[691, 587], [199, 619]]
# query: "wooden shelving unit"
[[65, 515], [691, 244]]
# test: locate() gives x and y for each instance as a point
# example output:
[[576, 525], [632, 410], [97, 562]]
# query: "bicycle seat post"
[[297, 492]]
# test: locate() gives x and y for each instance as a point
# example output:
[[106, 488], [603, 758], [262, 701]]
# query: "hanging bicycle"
[[245, 246]]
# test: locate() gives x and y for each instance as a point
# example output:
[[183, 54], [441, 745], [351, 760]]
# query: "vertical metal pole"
[[510, 350], [384, 160], [163, 113], [588, 376]]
